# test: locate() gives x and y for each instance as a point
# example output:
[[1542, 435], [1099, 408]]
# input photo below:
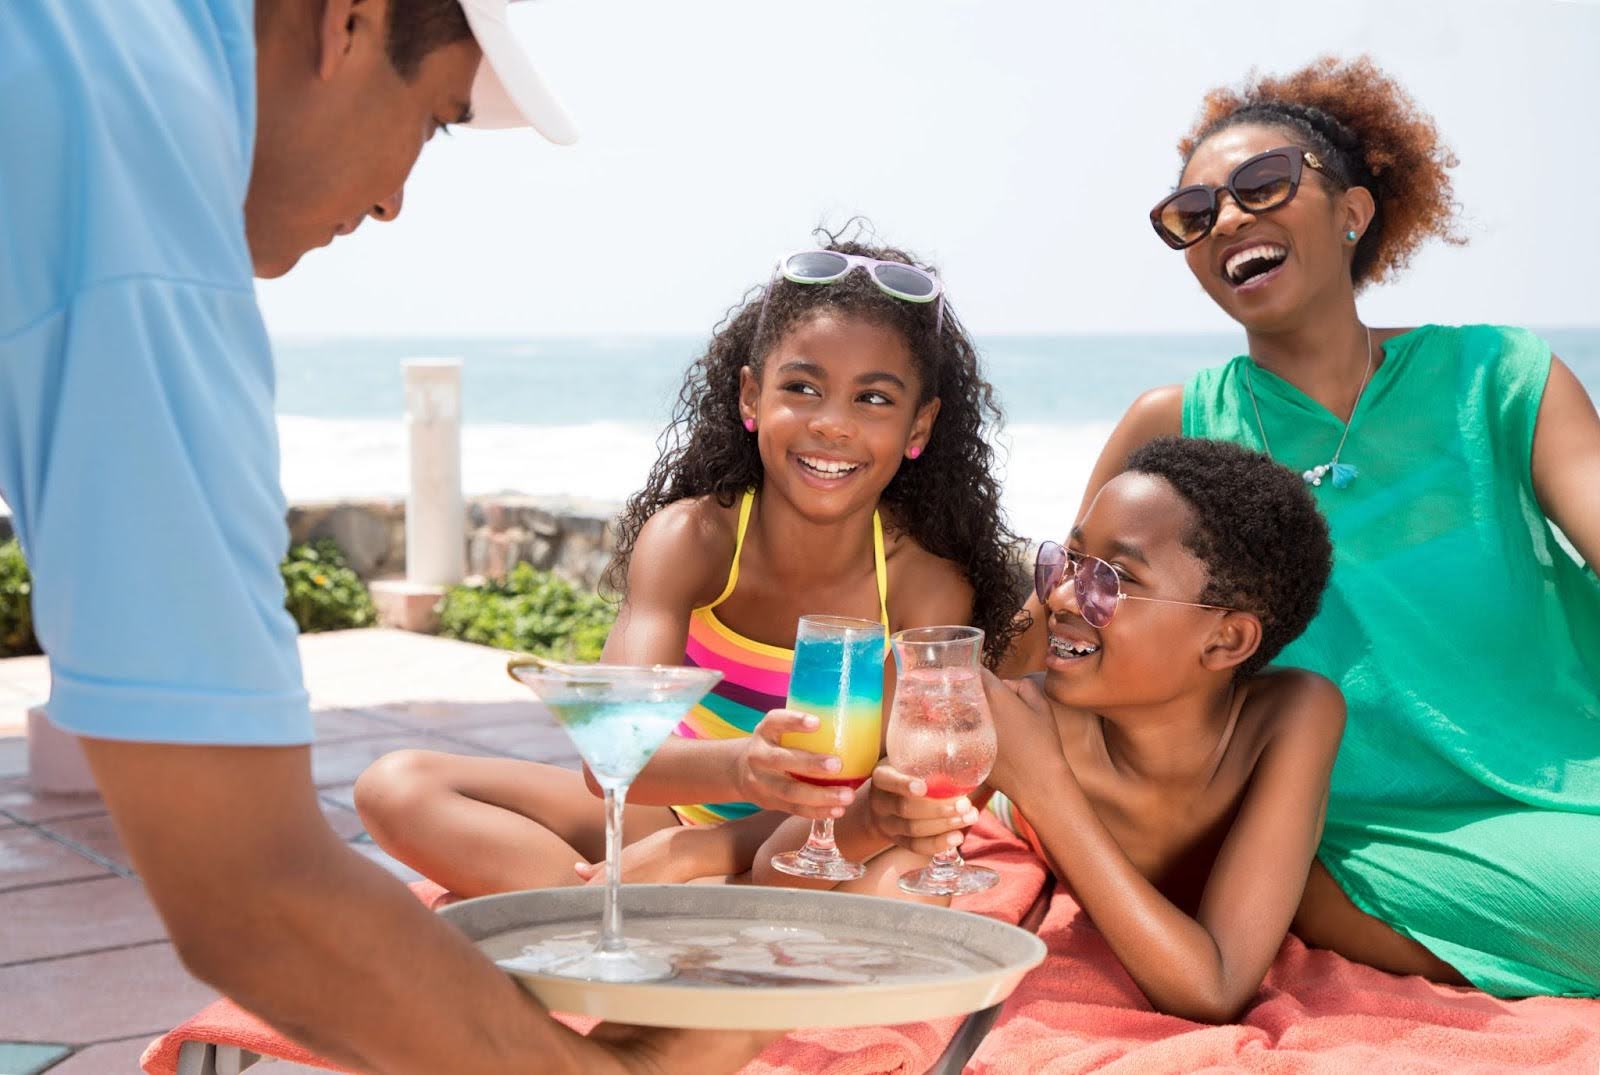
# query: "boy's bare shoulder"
[[690, 541], [1292, 702]]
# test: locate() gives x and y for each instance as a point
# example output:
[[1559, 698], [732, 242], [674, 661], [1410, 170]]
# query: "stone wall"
[[372, 533], [573, 538]]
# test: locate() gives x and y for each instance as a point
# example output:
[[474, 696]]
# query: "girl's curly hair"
[[1370, 133], [948, 500]]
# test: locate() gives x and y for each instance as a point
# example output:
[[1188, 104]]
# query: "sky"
[[1018, 144]]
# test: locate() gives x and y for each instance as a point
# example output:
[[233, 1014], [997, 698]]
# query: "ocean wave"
[[1044, 467], [1044, 470], [327, 459]]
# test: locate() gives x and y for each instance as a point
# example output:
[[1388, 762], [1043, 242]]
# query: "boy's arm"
[[1205, 967]]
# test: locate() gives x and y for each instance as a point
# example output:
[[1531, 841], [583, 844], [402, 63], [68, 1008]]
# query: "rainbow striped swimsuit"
[[755, 676]]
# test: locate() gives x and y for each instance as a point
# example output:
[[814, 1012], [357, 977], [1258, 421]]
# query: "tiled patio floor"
[[83, 959]]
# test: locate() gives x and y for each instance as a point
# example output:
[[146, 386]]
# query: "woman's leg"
[[1328, 919], [1501, 893], [481, 825]]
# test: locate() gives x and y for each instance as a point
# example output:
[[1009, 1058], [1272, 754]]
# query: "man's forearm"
[[342, 958], [266, 904]]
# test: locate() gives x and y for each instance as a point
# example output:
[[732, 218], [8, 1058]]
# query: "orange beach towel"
[[1316, 1014]]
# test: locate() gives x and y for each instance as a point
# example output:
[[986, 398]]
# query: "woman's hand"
[[900, 811], [1025, 729], [766, 770]]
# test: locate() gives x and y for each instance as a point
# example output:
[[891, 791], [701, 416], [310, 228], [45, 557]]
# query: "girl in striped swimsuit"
[[828, 454]]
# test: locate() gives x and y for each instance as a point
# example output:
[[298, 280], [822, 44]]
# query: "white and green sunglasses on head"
[[909, 283]]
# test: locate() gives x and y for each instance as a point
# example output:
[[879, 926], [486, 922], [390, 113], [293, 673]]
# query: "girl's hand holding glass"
[[838, 678], [768, 771]]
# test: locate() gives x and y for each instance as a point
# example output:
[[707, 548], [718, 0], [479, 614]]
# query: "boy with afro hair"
[[1171, 779]]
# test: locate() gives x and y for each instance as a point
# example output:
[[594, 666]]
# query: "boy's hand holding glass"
[[1025, 732], [768, 770], [902, 813]]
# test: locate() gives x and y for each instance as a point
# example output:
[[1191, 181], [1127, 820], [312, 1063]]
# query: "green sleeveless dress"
[[1465, 808]]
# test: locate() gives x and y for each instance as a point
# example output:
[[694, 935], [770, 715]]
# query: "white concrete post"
[[56, 762], [436, 512]]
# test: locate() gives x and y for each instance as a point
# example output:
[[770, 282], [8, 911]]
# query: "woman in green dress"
[[1463, 827]]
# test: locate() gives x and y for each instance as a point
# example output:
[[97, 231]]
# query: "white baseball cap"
[[508, 92]]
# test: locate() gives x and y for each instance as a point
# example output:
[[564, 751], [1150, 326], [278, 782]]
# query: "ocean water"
[[580, 416]]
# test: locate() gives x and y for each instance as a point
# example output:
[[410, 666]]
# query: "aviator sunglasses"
[[1266, 181], [1096, 585]]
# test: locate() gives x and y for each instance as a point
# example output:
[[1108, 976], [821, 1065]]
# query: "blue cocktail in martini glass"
[[617, 716]]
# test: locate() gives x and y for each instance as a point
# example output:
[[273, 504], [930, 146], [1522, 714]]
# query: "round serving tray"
[[762, 958]]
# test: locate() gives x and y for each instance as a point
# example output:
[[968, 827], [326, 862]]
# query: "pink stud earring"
[[914, 452], [749, 425]]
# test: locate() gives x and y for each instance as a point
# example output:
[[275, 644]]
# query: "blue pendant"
[[1344, 474]]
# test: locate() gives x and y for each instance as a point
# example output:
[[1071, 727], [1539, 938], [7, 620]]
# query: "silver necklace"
[[1341, 474]]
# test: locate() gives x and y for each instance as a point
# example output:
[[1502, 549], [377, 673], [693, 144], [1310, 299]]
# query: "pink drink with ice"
[[940, 730]]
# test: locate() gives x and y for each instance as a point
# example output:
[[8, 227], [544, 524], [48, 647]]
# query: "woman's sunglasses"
[[1096, 584], [1266, 181]]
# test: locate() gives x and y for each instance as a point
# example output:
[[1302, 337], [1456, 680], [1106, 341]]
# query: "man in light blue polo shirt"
[[154, 156]]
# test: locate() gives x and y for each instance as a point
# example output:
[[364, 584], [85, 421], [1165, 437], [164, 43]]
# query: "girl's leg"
[[745, 838], [883, 869], [1328, 919], [883, 877], [481, 825], [707, 854]]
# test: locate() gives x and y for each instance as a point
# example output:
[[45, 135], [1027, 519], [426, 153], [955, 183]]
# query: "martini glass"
[[617, 716]]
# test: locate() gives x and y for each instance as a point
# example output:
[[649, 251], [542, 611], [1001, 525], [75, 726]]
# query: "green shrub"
[[16, 606], [530, 611], [321, 592]]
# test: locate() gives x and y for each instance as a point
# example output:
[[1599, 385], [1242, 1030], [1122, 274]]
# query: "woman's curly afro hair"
[[1257, 529], [948, 500], [1370, 133]]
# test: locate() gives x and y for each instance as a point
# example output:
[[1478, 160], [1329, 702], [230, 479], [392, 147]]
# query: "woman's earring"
[[749, 425], [914, 452], [1351, 236]]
